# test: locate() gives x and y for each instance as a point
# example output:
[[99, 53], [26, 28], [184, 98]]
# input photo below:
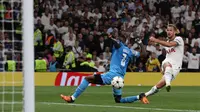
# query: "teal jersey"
[[120, 59]]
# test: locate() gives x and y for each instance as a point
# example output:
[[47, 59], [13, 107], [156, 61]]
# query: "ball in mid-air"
[[117, 82]]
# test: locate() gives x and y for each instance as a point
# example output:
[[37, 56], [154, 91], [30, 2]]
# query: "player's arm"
[[164, 43], [115, 42]]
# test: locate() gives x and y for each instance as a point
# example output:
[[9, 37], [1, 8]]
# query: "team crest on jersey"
[[170, 50]]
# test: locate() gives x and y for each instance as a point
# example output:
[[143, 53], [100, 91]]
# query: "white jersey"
[[175, 54], [193, 61]]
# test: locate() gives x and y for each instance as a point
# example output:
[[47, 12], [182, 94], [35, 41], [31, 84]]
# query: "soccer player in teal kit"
[[121, 56]]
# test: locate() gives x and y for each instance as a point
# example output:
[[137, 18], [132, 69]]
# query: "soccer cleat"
[[67, 98], [168, 88], [143, 98]]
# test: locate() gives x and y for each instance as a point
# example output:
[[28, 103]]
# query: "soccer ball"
[[117, 82]]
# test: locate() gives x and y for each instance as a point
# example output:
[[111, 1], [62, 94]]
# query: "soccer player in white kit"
[[172, 64]]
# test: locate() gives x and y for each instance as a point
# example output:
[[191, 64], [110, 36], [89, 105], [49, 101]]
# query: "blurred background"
[[72, 35]]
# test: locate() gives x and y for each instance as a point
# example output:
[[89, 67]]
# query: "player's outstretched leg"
[[157, 87], [166, 80], [118, 99], [168, 75], [79, 90]]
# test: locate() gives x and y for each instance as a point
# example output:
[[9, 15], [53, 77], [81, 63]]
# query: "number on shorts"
[[123, 62]]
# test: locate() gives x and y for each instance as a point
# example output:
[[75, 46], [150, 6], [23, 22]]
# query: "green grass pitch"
[[100, 99]]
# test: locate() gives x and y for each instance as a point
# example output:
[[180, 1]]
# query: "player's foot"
[[143, 98], [168, 88], [67, 98]]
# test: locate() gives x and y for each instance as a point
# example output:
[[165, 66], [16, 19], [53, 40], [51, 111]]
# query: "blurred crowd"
[[72, 35]]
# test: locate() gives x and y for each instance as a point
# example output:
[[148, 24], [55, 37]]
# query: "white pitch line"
[[121, 107], [129, 92]]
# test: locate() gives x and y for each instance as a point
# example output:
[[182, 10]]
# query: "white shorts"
[[175, 68]]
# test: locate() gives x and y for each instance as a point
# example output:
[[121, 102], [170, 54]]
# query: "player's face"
[[170, 32]]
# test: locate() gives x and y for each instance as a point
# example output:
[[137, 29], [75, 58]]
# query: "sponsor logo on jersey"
[[170, 50]]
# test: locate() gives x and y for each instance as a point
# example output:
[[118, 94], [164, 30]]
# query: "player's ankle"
[[138, 97]]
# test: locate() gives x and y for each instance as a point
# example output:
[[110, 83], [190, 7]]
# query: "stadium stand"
[[72, 35]]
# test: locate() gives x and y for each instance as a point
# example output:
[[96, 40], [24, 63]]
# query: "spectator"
[[158, 50], [58, 49], [94, 56], [36, 17], [150, 47], [140, 68], [152, 64], [151, 4], [10, 64], [50, 40], [68, 35], [45, 19], [196, 46], [185, 61], [40, 64], [185, 6], [51, 27], [77, 50], [88, 63], [193, 61], [48, 56], [69, 62], [53, 65], [188, 19], [176, 10], [162, 56], [39, 25], [107, 54], [165, 6], [85, 26], [91, 43], [70, 41], [102, 59], [101, 45], [195, 39], [100, 67], [64, 28], [38, 42], [196, 23]]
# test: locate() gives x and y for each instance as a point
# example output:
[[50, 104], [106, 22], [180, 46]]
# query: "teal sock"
[[80, 89], [129, 99]]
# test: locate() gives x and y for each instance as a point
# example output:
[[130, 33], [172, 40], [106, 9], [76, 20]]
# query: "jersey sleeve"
[[136, 53], [121, 44], [178, 40]]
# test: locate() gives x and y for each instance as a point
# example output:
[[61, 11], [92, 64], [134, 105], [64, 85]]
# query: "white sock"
[[138, 97], [168, 78], [73, 98], [152, 91]]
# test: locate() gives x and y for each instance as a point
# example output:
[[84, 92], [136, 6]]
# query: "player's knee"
[[168, 70], [117, 98], [89, 78]]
